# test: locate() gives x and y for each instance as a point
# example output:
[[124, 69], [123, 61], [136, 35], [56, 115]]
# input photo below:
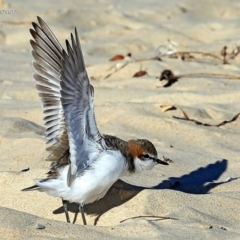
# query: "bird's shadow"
[[200, 181]]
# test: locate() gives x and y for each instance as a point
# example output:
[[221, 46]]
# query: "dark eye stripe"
[[147, 156]]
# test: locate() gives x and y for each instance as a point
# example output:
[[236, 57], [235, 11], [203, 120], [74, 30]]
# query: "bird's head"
[[142, 155]]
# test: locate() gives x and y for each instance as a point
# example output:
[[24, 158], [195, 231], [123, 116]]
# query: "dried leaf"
[[140, 73], [120, 57], [166, 108], [117, 58], [25, 170]]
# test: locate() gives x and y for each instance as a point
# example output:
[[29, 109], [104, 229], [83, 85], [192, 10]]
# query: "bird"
[[84, 162]]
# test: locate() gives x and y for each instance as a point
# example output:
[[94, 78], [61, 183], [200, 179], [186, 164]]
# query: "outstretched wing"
[[48, 56], [67, 100], [77, 102]]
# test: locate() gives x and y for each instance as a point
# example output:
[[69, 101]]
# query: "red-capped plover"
[[85, 163]]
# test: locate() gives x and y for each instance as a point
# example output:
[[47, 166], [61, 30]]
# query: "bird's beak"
[[160, 162]]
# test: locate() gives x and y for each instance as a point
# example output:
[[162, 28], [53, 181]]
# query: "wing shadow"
[[200, 181]]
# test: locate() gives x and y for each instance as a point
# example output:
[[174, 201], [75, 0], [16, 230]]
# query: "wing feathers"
[[67, 98], [43, 65], [46, 46], [78, 107], [47, 54], [49, 34], [44, 55]]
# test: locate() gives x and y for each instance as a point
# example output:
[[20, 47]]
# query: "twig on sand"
[[147, 59], [172, 78], [127, 60], [158, 218], [170, 50], [187, 118], [17, 22], [182, 54]]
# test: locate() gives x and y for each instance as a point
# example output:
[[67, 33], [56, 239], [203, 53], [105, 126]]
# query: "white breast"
[[92, 184]]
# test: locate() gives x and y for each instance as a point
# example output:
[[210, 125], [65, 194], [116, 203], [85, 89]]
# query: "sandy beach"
[[189, 117]]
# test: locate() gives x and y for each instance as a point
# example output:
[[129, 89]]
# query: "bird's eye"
[[146, 155]]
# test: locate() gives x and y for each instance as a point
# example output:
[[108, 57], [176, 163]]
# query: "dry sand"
[[195, 189]]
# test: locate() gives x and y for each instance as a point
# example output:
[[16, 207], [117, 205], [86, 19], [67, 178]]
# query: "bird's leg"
[[64, 202], [81, 209], [75, 217]]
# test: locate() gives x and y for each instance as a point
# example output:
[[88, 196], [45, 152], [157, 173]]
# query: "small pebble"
[[223, 228], [210, 227], [39, 226], [229, 179]]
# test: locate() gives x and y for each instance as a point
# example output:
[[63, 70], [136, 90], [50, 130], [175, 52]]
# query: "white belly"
[[92, 185]]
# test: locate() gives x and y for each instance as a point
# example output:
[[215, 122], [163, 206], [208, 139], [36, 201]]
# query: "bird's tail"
[[32, 188]]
